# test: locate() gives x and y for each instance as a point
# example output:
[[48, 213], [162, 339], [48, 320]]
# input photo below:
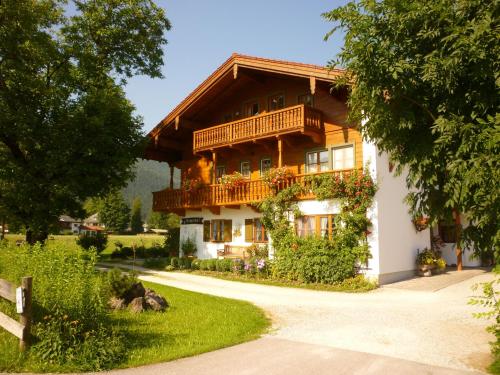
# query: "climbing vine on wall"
[[315, 259]]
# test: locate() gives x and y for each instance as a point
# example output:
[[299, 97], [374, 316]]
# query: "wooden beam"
[[214, 209], [312, 84], [177, 121], [16, 328], [214, 166], [280, 152], [171, 175], [7, 290], [235, 71]]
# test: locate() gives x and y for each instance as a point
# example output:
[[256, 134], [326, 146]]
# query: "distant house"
[[67, 223], [91, 230], [92, 220]]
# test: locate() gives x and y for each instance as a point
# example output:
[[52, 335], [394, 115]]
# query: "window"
[[343, 157], [220, 171], [306, 99], [276, 102], [315, 225], [255, 231], [251, 109], [245, 169], [447, 232], [317, 161], [265, 165], [217, 231]]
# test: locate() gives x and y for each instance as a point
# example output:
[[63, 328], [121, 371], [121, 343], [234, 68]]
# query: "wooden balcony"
[[297, 119], [217, 195]]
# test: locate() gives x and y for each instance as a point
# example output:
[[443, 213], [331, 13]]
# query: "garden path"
[[431, 328]]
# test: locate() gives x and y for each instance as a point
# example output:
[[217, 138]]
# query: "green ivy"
[[316, 259]]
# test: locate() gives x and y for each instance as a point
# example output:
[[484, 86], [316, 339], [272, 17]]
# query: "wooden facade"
[[248, 114]]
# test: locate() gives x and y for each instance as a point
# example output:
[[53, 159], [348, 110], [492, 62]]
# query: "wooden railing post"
[[26, 315]]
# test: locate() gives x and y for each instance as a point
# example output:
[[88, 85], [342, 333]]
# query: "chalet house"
[[253, 114]]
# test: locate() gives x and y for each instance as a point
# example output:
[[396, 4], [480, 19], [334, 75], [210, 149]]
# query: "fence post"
[[25, 318]]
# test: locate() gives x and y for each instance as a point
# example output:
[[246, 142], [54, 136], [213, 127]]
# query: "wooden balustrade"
[[218, 195], [296, 118]]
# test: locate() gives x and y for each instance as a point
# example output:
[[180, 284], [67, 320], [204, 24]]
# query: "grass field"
[[195, 323], [145, 240]]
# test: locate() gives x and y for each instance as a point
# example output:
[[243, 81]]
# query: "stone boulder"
[[137, 290], [154, 301], [117, 303], [138, 305]]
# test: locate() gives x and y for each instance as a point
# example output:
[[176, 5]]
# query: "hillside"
[[149, 176]]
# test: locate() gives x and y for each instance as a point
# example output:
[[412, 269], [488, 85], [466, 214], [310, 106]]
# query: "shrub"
[[122, 253], [185, 263], [259, 251], [212, 264], [98, 241], [156, 263], [223, 265], [172, 240], [169, 268], [70, 316], [188, 247], [237, 266], [195, 264], [315, 260], [174, 262], [204, 265], [119, 282]]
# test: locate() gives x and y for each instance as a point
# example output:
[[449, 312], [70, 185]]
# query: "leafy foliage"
[[114, 213], [490, 301], [67, 131], [425, 75], [98, 241], [71, 321], [162, 220], [135, 217], [120, 282]]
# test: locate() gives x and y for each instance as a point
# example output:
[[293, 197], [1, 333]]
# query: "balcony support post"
[[280, 153], [171, 176], [214, 171]]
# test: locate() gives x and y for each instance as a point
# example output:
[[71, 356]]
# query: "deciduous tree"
[[114, 212], [425, 76], [67, 131]]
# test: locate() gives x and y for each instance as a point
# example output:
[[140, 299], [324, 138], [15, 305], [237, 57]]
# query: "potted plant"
[[274, 177], [440, 266], [421, 223], [193, 185], [232, 181], [426, 262]]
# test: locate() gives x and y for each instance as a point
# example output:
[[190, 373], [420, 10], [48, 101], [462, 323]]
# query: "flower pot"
[[425, 269]]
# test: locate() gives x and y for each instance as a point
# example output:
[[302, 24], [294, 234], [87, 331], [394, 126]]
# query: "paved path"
[[431, 328]]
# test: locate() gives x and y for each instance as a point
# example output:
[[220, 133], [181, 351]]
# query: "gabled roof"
[[237, 61]]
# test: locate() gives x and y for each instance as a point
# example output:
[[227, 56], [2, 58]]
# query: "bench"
[[233, 252]]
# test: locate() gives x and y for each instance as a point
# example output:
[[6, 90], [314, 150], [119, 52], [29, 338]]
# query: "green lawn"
[[145, 240], [195, 323]]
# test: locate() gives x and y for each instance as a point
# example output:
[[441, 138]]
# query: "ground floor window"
[[447, 232], [255, 231], [217, 230], [315, 225]]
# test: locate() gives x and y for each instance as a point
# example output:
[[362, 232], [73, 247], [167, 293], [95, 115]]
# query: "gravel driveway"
[[434, 328]]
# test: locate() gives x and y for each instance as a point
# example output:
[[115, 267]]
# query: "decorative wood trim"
[[235, 71], [312, 84]]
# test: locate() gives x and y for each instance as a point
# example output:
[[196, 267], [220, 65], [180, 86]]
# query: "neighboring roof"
[[92, 218], [256, 63], [68, 219], [91, 228]]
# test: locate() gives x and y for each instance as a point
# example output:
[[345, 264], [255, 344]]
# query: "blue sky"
[[205, 33]]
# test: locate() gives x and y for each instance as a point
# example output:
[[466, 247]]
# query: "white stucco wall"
[[394, 241], [207, 250]]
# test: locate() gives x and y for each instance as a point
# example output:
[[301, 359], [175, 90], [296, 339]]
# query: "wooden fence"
[[21, 296]]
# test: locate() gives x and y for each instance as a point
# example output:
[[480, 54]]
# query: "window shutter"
[[206, 231], [228, 230], [248, 230]]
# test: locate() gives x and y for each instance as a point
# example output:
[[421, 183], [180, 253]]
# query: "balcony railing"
[[299, 118], [218, 195]]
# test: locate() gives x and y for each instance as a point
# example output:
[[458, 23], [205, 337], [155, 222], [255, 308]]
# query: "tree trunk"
[[2, 235], [32, 237], [458, 238]]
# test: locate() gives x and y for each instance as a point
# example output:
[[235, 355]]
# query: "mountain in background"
[[149, 176]]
